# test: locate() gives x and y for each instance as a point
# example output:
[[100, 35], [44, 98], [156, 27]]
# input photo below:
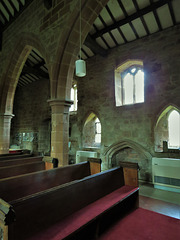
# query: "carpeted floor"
[[143, 224]]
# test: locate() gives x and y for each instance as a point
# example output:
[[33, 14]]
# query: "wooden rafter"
[[84, 53], [35, 71], [156, 17], [126, 16], [132, 17], [94, 46], [142, 18], [172, 13], [1, 36], [12, 18], [112, 17]]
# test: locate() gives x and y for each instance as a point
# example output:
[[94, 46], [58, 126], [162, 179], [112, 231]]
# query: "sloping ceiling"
[[120, 22]]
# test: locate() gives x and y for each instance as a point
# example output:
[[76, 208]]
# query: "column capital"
[[6, 117], [60, 105], [61, 102], [10, 115]]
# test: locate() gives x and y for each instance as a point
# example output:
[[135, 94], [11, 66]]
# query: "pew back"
[[41, 210], [21, 186], [6, 172], [19, 161], [15, 156]]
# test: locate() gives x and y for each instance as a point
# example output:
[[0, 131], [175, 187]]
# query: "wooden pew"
[[15, 156], [10, 154], [19, 161], [23, 185], [73, 210], [130, 171], [10, 171]]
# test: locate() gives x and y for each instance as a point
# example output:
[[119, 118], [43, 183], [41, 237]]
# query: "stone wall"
[[31, 123], [134, 123], [96, 92]]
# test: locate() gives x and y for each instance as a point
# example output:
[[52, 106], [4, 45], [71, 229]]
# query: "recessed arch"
[[167, 109], [161, 127], [91, 134], [120, 145]]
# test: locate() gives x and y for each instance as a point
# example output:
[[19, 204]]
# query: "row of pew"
[[72, 202]]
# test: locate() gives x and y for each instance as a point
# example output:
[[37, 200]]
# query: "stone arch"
[[128, 63], [118, 146], [161, 126], [63, 69], [167, 109], [89, 129], [88, 113], [25, 43]]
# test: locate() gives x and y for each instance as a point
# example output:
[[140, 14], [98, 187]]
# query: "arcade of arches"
[[36, 117]]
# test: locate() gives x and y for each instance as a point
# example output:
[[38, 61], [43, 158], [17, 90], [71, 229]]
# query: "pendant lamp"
[[80, 68], [80, 63]]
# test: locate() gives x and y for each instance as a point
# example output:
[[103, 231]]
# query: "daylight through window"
[[132, 82], [174, 129], [97, 131], [73, 98], [129, 83]]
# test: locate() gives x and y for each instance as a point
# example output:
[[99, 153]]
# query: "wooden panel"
[[95, 165], [66, 198], [95, 168], [48, 165], [130, 177], [14, 156], [21, 186], [130, 170], [6, 172], [13, 162]]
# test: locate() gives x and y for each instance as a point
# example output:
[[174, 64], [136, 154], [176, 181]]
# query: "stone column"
[[5, 126], [60, 130]]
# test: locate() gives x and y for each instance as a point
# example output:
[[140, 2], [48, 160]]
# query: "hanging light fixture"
[[80, 63]]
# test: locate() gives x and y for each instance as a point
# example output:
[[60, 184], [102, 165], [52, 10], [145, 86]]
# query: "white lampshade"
[[80, 68]]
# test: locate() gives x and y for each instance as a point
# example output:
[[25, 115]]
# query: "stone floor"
[[161, 201]]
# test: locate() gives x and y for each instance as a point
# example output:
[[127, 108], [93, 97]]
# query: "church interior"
[[89, 116]]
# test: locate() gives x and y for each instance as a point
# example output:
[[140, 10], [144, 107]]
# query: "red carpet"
[[84, 215], [143, 224]]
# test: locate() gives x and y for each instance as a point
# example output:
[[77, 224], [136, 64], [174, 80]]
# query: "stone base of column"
[[5, 125]]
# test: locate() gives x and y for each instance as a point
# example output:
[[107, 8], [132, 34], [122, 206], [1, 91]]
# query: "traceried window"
[[129, 83], [174, 129], [73, 107]]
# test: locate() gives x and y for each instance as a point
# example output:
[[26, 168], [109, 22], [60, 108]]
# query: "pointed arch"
[[91, 131], [161, 129], [174, 129], [128, 63], [68, 47], [25, 43], [167, 109], [120, 145]]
